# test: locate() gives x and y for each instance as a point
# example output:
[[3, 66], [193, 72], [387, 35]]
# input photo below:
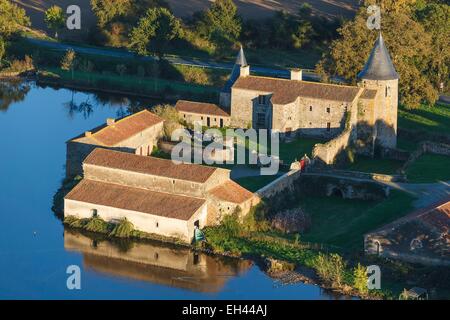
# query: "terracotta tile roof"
[[230, 191], [368, 94], [200, 108], [286, 91], [122, 129], [135, 199], [149, 165]]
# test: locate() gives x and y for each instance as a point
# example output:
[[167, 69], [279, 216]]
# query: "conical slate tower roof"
[[236, 71], [379, 66]]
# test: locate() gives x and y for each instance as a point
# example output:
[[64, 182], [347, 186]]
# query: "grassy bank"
[[255, 183], [429, 168], [375, 165], [434, 119], [144, 86]]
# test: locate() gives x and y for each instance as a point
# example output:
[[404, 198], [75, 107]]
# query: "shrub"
[[360, 279], [231, 224], [97, 225], [331, 269], [124, 229]]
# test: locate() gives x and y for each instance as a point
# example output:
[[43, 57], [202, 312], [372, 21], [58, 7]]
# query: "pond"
[[36, 250]]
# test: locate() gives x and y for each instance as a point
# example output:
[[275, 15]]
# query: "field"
[[343, 223], [429, 168], [249, 9], [375, 165], [433, 119]]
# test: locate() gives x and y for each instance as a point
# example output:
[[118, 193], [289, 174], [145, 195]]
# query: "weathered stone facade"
[[156, 195], [296, 107], [136, 134]]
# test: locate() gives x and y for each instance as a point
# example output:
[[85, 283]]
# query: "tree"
[[408, 43], [220, 24], [436, 20], [68, 61], [2, 50], [55, 19], [108, 10], [154, 31], [360, 279], [12, 18]]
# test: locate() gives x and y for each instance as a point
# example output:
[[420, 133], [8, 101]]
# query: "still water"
[[35, 250]]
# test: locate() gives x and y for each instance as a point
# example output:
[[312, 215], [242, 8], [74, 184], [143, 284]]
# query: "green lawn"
[[340, 222], [297, 149], [253, 184], [434, 119], [375, 165], [429, 168]]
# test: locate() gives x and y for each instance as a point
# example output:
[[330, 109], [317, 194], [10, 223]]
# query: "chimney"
[[245, 71], [88, 134], [110, 121], [297, 74]]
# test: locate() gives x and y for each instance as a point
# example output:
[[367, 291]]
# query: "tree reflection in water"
[[12, 92]]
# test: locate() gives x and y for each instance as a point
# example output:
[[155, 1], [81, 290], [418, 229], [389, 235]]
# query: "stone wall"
[[141, 144], [214, 121], [282, 184], [168, 227], [427, 147], [328, 152], [145, 181]]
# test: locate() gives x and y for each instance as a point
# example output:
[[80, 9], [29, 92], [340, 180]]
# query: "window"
[[328, 126], [157, 224], [261, 119], [388, 92], [310, 108], [184, 116], [261, 99], [328, 110], [94, 213]]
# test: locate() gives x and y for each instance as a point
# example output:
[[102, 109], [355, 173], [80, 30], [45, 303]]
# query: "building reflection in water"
[[155, 262]]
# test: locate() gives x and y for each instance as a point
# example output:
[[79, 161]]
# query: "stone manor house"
[[296, 107], [122, 180]]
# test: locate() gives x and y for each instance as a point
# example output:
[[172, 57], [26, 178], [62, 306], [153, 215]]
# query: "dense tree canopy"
[[154, 31], [410, 40], [220, 24]]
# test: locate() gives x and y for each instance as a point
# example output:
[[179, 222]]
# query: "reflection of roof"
[[149, 165], [287, 91], [156, 262], [200, 108], [379, 66], [125, 128], [230, 191], [135, 199]]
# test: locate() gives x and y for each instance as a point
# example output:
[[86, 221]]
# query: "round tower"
[[379, 74]]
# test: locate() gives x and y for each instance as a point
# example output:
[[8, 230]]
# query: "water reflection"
[[155, 262], [12, 92]]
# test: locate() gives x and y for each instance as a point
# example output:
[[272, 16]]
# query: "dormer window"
[[262, 100]]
